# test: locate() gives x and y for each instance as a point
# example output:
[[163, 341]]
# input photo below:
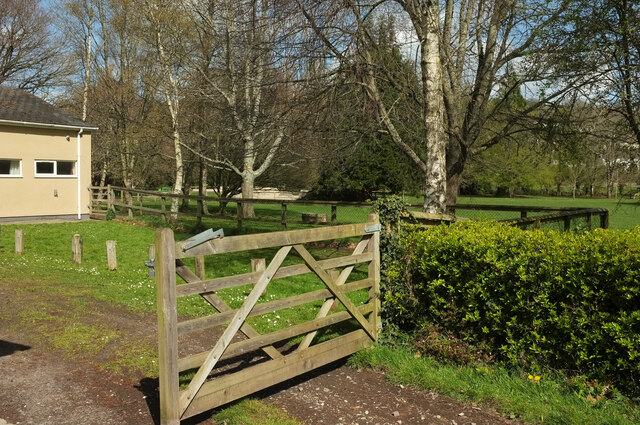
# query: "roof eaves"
[[87, 127]]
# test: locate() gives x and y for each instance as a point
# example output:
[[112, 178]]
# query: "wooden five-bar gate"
[[204, 392]]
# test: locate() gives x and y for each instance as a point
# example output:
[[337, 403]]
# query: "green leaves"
[[561, 300]]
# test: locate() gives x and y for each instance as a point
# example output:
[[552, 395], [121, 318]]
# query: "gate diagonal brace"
[[329, 302], [331, 286], [217, 303]]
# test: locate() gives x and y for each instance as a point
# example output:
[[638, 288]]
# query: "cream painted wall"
[[35, 196]]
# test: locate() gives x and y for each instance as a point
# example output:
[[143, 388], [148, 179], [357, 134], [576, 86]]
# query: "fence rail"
[[131, 201]]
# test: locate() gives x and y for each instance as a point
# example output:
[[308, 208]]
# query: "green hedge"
[[561, 300]]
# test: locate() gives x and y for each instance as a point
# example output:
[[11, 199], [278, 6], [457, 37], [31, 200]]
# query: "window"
[[10, 168], [55, 169]]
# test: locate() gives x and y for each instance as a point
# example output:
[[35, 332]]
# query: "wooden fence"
[[564, 215], [110, 197], [203, 392]]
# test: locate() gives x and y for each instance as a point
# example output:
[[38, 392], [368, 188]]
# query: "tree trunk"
[[454, 181], [436, 173], [177, 186], [248, 181], [202, 187]]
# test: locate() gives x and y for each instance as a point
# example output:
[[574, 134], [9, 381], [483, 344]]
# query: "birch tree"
[[79, 20], [124, 106], [462, 50], [169, 38]]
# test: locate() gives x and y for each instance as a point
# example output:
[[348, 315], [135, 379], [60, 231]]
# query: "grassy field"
[[47, 255]]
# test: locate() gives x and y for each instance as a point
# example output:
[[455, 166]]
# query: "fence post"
[[604, 220], [239, 215], [283, 216], [567, 223], [167, 328], [374, 273], [76, 249], [523, 214], [163, 208], [19, 236], [200, 267], [589, 220], [112, 261], [334, 214], [259, 265], [110, 196]]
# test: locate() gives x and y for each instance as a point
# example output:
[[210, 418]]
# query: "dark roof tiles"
[[19, 105]]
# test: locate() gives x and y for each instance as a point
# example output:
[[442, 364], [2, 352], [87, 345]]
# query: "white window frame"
[[12, 176], [55, 174]]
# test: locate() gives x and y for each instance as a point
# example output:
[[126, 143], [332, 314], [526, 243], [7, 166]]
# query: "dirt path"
[[41, 385]]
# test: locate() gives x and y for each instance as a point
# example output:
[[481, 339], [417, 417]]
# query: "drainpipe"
[[78, 176]]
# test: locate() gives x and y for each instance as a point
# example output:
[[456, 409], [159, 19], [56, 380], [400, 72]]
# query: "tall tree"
[[250, 68], [169, 30], [30, 54], [463, 49], [606, 43], [124, 93]]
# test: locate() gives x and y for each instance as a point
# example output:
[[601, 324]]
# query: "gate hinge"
[[373, 228], [203, 237]]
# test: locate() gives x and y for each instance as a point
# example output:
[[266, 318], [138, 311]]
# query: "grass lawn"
[[548, 401]]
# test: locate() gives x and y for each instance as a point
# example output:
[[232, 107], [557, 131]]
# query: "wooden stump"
[[112, 261], [76, 249], [259, 265], [19, 241], [314, 218]]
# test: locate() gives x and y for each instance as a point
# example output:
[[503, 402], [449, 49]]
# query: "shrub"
[[560, 300]]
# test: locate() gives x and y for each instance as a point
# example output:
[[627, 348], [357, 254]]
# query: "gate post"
[[374, 273], [167, 328]]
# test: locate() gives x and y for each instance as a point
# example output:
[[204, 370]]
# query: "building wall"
[[30, 196]]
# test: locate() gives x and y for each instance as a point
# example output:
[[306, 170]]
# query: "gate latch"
[[373, 228], [152, 267], [203, 237]]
